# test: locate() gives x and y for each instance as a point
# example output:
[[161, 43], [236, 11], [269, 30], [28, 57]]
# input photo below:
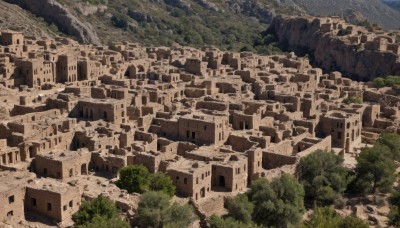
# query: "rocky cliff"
[[54, 12], [328, 51]]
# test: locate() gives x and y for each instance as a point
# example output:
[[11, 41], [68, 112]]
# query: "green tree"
[[379, 82], [326, 217], [150, 208], [279, 203], [178, 216], [239, 208], [134, 178], [375, 170], [100, 209], [162, 182], [218, 222], [101, 222], [323, 176], [154, 210], [394, 214], [392, 141]]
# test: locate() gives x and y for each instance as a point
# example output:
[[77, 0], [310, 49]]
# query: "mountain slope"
[[374, 10], [228, 24], [15, 18]]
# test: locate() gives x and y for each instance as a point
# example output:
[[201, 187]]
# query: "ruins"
[[72, 115], [361, 53]]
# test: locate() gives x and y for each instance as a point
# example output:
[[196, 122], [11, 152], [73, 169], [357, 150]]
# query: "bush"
[[137, 178], [352, 100], [388, 81], [97, 211], [327, 217], [323, 176], [277, 203], [375, 170], [162, 182], [394, 214], [155, 211], [239, 208], [120, 21], [134, 179], [217, 222]]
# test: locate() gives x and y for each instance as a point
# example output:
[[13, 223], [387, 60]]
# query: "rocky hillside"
[[395, 4], [15, 18], [330, 51], [374, 10], [229, 24]]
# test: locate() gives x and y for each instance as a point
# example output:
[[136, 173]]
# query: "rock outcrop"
[[330, 51], [54, 12]]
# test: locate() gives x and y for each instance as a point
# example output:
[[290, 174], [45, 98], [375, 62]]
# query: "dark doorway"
[[222, 181], [84, 169], [202, 192]]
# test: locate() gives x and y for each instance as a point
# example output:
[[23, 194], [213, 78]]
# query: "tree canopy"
[[326, 217], [218, 222], [155, 210], [394, 214], [134, 178], [240, 208], [100, 210], [323, 176], [277, 203], [375, 170], [137, 178], [162, 182]]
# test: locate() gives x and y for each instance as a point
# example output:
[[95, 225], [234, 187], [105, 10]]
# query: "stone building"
[[345, 129], [203, 129], [12, 194], [52, 199], [191, 178], [63, 164]]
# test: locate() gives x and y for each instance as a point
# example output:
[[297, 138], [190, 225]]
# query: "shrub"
[[134, 178], [100, 210], [323, 176]]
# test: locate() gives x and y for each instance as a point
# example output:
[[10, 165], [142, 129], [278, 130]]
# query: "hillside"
[[228, 24], [15, 18], [395, 4]]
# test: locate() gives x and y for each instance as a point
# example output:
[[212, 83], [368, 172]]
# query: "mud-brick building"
[[8, 155], [344, 127], [11, 38], [110, 110], [229, 169], [191, 178], [230, 174], [35, 72], [63, 164], [203, 129], [12, 194], [52, 199], [67, 69]]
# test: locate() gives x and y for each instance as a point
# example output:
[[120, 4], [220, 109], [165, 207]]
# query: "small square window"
[[71, 203], [48, 206], [11, 199], [65, 207]]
